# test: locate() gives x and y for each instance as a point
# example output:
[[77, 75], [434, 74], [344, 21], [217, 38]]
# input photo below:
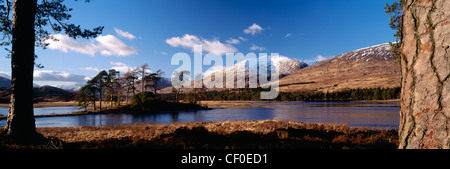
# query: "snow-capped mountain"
[[286, 66], [369, 67], [70, 88], [377, 52]]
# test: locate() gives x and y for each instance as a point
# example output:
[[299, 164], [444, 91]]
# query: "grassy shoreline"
[[265, 134]]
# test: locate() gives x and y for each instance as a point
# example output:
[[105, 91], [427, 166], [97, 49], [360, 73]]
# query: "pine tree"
[[24, 24], [396, 23]]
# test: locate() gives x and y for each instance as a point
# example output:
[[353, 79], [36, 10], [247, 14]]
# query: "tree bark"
[[425, 97], [21, 123]]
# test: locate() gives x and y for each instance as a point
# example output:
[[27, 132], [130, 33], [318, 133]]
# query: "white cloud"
[[114, 46], [212, 46], [55, 76], [162, 53], [188, 41], [117, 63], [118, 66], [108, 45], [233, 41], [121, 67], [288, 35], [318, 59], [95, 69], [253, 29], [256, 48], [124, 34], [243, 39]]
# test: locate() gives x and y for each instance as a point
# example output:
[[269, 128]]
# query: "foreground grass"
[[216, 135]]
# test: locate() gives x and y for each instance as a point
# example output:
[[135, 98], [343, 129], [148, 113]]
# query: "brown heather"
[[217, 135]]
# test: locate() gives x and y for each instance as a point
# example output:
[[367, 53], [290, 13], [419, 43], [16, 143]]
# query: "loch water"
[[372, 114]]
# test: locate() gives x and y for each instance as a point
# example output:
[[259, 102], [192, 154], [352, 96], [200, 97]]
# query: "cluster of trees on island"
[[111, 86]]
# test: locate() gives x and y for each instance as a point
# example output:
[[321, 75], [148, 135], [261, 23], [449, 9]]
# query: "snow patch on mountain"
[[379, 52]]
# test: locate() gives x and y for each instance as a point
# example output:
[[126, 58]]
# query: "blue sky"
[[143, 31]]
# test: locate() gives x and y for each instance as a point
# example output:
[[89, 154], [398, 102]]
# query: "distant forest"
[[254, 95]]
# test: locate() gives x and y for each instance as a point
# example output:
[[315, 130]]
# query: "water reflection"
[[366, 114]]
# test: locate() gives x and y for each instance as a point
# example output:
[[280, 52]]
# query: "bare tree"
[[130, 78], [112, 85], [143, 75], [154, 78]]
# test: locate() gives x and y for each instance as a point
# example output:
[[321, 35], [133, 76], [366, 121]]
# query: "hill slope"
[[40, 94], [369, 67], [4, 82]]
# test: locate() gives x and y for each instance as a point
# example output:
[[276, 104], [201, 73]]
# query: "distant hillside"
[[4, 82], [49, 91], [370, 67], [41, 94]]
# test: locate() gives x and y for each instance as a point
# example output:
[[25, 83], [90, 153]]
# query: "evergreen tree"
[[396, 23], [84, 97], [24, 24]]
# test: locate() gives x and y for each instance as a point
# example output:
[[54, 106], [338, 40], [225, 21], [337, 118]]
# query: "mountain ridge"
[[369, 67], [40, 94]]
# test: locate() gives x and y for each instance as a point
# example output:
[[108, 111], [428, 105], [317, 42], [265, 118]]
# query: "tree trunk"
[[100, 100], [126, 96], [134, 88], [119, 95], [94, 98], [425, 97], [111, 99], [20, 124]]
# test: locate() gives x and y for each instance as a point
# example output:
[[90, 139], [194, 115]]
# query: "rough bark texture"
[[425, 104], [21, 124]]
